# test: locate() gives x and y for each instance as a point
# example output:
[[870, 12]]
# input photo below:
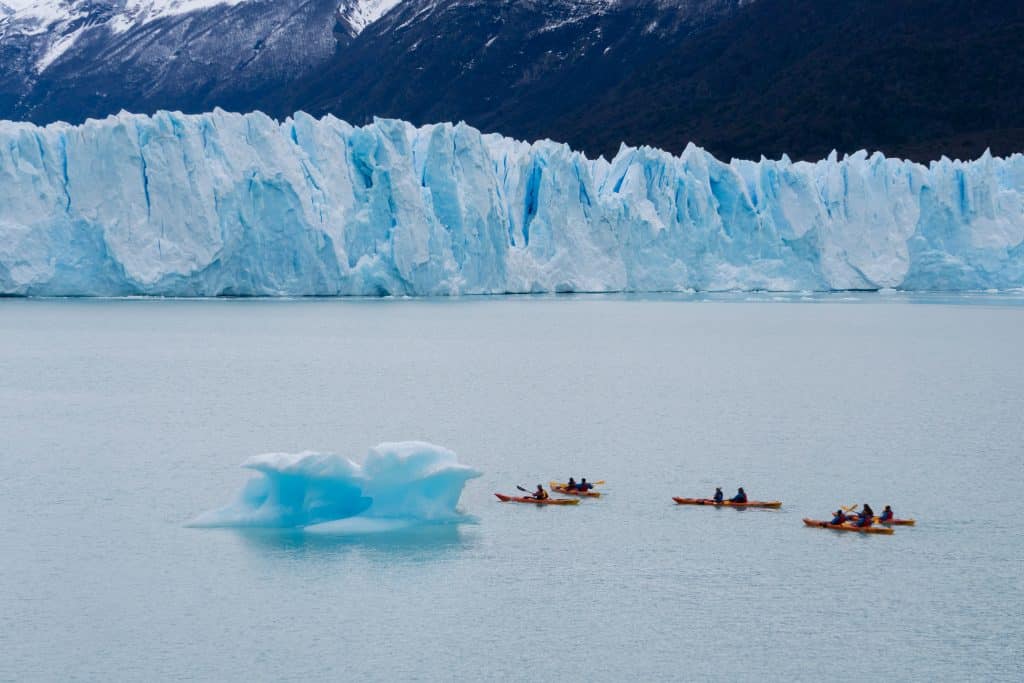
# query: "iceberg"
[[396, 485], [224, 204]]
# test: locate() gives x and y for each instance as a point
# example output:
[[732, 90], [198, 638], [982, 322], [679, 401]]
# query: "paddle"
[[532, 494]]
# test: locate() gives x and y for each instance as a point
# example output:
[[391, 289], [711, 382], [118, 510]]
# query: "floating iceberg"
[[228, 204], [396, 485]]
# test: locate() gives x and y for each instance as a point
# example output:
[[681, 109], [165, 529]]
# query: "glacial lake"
[[122, 420]]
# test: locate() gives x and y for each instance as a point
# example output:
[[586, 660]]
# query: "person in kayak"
[[572, 485], [583, 485], [867, 516], [740, 497], [540, 493], [719, 496], [887, 515], [839, 517]]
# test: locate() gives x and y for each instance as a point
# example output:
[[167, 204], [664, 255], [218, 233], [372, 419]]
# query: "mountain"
[[912, 78], [67, 60]]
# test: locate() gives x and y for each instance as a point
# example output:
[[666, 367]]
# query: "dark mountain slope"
[[521, 68], [912, 78]]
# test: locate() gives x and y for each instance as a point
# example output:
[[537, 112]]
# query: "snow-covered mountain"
[[226, 204], [68, 59], [913, 78]]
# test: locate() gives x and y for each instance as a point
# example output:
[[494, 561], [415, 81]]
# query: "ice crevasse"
[[242, 205]]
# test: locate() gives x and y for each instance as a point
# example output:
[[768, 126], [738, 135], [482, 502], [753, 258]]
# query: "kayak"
[[849, 527], [547, 501], [897, 522], [728, 503], [563, 484], [574, 492]]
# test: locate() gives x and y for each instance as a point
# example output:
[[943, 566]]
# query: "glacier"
[[395, 486], [225, 204]]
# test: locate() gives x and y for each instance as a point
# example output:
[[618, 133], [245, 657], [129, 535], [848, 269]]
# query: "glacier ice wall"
[[230, 204], [402, 482]]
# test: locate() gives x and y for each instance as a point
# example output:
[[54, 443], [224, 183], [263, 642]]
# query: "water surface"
[[122, 420]]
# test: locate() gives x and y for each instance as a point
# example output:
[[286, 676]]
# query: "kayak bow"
[[849, 527], [728, 503], [526, 499]]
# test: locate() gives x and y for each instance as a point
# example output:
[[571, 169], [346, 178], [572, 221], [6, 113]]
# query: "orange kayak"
[[897, 522], [574, 492], [526, 499], [849, 527], [729, 504]]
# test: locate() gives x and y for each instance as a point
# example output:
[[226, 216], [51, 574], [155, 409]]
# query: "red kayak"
[[528, 499], [729, 503]]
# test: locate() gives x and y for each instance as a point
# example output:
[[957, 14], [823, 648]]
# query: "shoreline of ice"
[[231, 205]]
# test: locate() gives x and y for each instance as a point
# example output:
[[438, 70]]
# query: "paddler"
[[839, 517], [867, 516], [583, 485], [740, 497], [886, 516], [572, 485], [540, 493], [719, 496]]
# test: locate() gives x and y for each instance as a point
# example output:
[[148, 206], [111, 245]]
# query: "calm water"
[[121, 420]]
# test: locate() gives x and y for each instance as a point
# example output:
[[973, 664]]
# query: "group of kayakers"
[[864, 518], [740, 497]]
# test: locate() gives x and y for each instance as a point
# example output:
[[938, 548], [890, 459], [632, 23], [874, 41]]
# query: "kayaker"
[[540, 493], [572, 485], [740, 497], [583, 485], [867, 516], [719, 496], [839, 518], [886, 515]]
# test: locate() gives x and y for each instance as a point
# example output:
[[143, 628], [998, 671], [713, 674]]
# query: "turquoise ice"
[[395, 485], [229, 204]]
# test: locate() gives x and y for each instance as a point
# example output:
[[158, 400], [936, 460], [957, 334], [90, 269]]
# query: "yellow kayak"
[[574, 492], [849, 527]]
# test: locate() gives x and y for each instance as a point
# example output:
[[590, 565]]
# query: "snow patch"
[[365, 12], [57, 48]]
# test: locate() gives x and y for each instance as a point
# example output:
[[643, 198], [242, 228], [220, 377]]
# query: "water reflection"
[[421, 543]]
